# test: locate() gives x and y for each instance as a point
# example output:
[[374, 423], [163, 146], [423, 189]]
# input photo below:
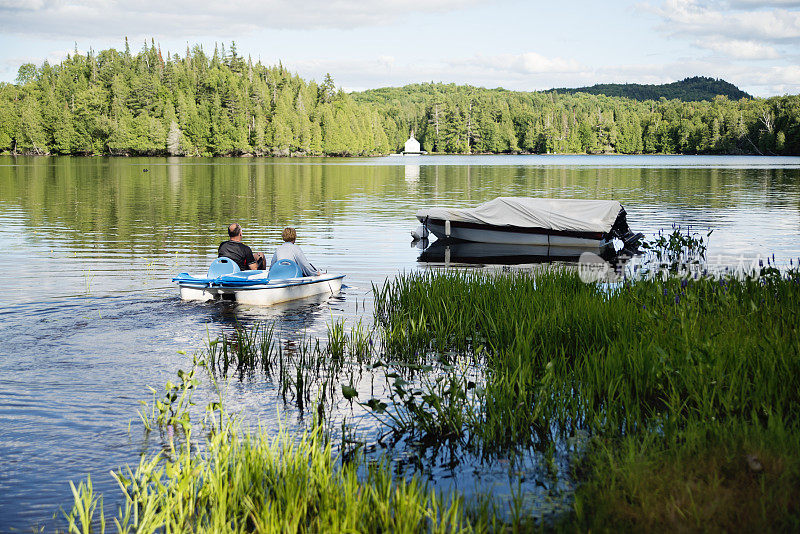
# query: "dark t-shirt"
[[238, 252]]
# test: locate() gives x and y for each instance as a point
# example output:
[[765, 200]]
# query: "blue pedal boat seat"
[[284, 269], [224, 273], [281, 270], [222, 266], [187, 280]]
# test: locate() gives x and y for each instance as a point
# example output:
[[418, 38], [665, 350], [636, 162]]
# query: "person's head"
[[289, 234], [234, 230]]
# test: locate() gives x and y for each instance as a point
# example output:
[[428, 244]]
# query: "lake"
[[89, 317]]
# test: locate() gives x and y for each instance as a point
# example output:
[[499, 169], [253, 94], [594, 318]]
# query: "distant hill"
[[687, 90]]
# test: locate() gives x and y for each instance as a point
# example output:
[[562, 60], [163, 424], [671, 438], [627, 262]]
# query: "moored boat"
[[283, 282], [532, 221]]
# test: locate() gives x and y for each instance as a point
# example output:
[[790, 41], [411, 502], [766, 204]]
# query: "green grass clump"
[[724, 477], [252, 482], [676, 381]]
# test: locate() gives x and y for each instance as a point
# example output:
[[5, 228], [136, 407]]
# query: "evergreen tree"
[[327, 90], [31, 134], [64, 133]]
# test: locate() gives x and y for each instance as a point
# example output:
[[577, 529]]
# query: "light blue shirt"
[[290, 251]]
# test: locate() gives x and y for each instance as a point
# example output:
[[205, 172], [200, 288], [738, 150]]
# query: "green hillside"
[[688, 90]]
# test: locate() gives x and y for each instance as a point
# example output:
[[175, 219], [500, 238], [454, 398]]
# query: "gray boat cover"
[[526, 212]]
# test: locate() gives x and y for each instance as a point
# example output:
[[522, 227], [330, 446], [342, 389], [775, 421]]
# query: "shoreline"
[[347, 156]]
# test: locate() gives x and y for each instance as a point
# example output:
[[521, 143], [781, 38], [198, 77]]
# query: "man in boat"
[[234, 249], [290, 251]]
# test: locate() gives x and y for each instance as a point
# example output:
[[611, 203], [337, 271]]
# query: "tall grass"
[[253, 482], [679, 364], [645, 353]]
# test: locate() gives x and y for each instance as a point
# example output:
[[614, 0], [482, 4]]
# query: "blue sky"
[[521, 45]]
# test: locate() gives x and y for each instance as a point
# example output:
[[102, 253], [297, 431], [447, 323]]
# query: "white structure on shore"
[[412, 147]]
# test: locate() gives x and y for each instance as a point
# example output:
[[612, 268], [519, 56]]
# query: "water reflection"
[[411, 173], [308, 316]]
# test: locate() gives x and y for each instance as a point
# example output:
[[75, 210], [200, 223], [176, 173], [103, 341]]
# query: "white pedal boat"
[[282, 283]]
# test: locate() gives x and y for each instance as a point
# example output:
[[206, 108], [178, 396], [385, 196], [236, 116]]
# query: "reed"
[[670, 362], [249, 481]]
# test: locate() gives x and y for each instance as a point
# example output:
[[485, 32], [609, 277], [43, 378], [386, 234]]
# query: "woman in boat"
[[290, 251]]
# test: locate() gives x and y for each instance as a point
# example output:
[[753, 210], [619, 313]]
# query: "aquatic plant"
[[675, 251], [664, 362], [432, 410], [81, 517], [172, 410], [243, 481]]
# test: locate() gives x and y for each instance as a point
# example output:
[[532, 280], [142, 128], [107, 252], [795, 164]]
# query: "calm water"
[[89, 318]]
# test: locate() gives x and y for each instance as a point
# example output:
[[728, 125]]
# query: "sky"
[[363, 44]]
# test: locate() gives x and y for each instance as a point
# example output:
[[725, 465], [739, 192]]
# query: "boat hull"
[[511, 235], [469, 252], [198, 294], [266, 294]]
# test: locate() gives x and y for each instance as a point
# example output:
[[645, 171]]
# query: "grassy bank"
[[683, 394], [688, 388]]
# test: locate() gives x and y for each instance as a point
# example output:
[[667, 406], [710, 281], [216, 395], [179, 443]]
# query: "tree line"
[[464, 119], [199, 104], [688, 89]]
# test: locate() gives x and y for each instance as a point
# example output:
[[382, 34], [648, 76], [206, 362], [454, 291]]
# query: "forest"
[[223, 104]]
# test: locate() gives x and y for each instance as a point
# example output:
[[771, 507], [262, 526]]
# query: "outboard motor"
[[622, 231], [421, 232]]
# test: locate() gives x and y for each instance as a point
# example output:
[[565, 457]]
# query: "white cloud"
[[12, 64], [741, 36], [787, 76], [72, 19], [25, 5], [739, 49], [386, 61], [763, 3], [525, 63], [512, 72], [524, 72], [704, 18]]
